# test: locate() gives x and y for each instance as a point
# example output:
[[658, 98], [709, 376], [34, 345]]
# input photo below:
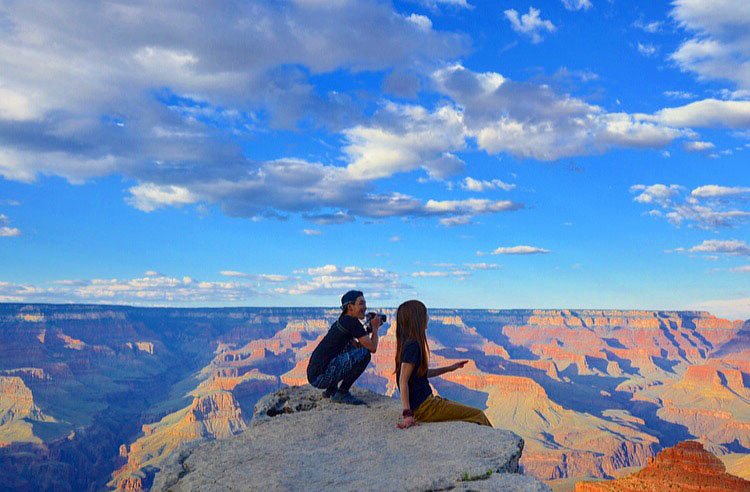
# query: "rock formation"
[[300, 441], [103, 394], [685, 467]]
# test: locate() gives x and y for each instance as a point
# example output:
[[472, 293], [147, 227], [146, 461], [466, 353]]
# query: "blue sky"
[[510, 154]]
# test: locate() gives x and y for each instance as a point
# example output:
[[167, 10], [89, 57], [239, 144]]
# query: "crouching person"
[[343, 354]]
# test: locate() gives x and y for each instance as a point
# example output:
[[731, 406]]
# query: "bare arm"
[[403, 382], [431, 373], [370, 342]]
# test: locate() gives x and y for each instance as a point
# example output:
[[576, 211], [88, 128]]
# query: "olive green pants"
[[436, 409]]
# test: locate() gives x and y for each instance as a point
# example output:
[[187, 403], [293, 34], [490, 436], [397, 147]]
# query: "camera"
[[370, 317]]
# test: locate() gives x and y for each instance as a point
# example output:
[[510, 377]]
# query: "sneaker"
[[348, 398], [329, 392]]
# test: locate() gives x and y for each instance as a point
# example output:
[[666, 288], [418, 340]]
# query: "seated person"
[[337, 358], [412, 356]]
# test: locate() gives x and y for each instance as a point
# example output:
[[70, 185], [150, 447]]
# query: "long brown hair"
[[411, 323]]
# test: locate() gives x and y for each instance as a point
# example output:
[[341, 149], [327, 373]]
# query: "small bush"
[[472, 478]]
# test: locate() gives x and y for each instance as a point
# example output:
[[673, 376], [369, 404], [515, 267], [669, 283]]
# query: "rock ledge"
[[300, 441]]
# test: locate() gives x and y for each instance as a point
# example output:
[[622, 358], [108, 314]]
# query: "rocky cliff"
[[685, 467], [300, 441], [98, 396]]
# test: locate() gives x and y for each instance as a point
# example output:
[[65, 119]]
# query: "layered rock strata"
[[686, 467]]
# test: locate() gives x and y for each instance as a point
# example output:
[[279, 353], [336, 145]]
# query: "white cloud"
[[657, 193], [335, 280], [477, 185], [312, 232], [707, 191], [482, 266], [95, 89], [6, 231], [705, 113], [519, 250], [650, 27], [702, 210], [647, 49], [441, 273], [422, 21], [577, 4], [740, 269], [139, 291], [455, 221], [725, 308], [153, 273], [529, 24], [232, 273], [532, 121], [732, 247], [148, 196], [395, 239], [409, 137], [720, 46], [451, 3], [698, 146], [680, 94]]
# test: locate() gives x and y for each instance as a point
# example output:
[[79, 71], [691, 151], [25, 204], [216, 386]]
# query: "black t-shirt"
[[419, 387], [338, 336]]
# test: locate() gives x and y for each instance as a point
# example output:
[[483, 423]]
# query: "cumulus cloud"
[[706, 113], [334, 280], [531, 24], [577, 4], [144, 90], [440, 273], [720, 44], [708, 191], [482, 266], [680, 95], [519, 250], [5, 230], [649, 27], [533, 121], [141, 291], [312, 232], [738, 309], [708, 208], [646, 49], [732, 247], [477, 185], [698, 146], [404, 138]]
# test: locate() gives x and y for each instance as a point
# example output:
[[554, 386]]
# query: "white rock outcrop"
[[300, 441]]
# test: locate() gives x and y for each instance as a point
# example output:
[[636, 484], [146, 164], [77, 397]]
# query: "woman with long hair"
[[412, 372]]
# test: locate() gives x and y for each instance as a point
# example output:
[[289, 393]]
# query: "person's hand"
[[458, 365], [406, 422], [375, 322]]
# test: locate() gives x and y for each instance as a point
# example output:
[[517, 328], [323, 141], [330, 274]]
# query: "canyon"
[[98, 397]]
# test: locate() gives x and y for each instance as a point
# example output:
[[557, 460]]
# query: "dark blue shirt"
[[419, 387]]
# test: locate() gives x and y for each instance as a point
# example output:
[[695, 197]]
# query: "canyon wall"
[[99, 396]]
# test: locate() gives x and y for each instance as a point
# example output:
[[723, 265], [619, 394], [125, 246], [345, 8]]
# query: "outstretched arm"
[[431, 373]]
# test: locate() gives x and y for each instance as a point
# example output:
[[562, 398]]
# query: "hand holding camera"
[[374, 320]]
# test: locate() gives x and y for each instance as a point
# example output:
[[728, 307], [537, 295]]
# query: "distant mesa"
[[685, 467]]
